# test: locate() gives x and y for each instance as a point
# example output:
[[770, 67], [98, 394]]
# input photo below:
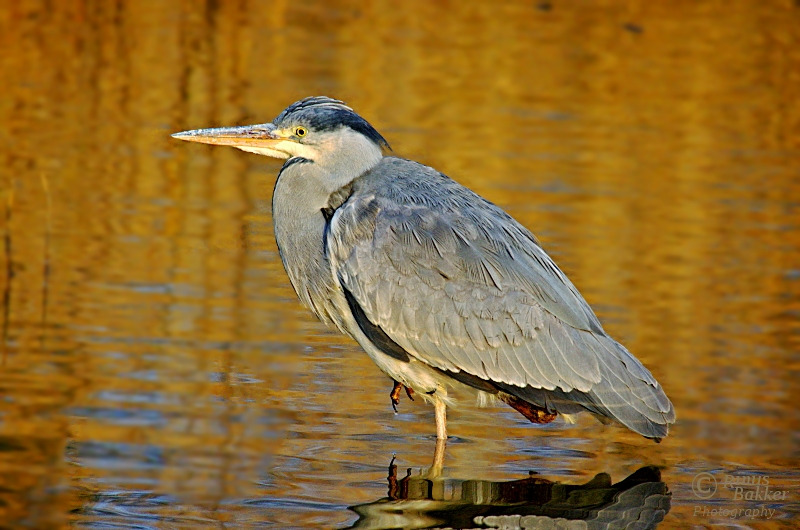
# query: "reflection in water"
[[641, 499]]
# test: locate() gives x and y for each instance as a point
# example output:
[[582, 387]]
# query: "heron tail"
[[626, 392]]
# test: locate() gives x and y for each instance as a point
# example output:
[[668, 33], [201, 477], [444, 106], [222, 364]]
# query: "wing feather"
[[460, 285]]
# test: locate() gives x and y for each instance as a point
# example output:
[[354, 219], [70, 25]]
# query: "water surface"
[[157, 369]]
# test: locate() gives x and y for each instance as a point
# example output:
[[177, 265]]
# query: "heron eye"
[[300, 131]]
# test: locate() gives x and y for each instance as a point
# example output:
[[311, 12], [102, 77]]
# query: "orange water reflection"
[[654, 148]]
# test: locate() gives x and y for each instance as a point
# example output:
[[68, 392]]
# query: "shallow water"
[[158, 371]]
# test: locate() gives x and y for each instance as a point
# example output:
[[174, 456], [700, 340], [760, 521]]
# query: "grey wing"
[[463, 287]]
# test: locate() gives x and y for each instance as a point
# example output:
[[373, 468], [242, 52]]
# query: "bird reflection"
[[639, 501]]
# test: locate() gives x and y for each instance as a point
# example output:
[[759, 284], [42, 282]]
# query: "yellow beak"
[[261, 135]]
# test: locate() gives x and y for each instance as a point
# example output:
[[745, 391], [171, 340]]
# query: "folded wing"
[[460, 285]]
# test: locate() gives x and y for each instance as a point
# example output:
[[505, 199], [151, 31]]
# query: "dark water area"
[[158, 372]]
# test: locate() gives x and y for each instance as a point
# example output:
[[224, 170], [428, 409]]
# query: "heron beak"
[[256, 136]]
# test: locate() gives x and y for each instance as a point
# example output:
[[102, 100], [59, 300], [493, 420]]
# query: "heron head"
[[313, 128]]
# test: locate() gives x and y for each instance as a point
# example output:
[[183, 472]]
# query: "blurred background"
[[157, 369]]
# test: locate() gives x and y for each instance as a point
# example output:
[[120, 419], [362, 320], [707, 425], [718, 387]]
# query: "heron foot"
[[532, 412], [395, 394]]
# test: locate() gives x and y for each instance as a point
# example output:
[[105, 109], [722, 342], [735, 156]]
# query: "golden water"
[[157, 369]]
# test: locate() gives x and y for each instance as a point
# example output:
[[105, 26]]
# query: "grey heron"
[[444, 290]]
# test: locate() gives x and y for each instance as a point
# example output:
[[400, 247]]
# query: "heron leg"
[[440, 410], [438, 459], [395, 394]]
